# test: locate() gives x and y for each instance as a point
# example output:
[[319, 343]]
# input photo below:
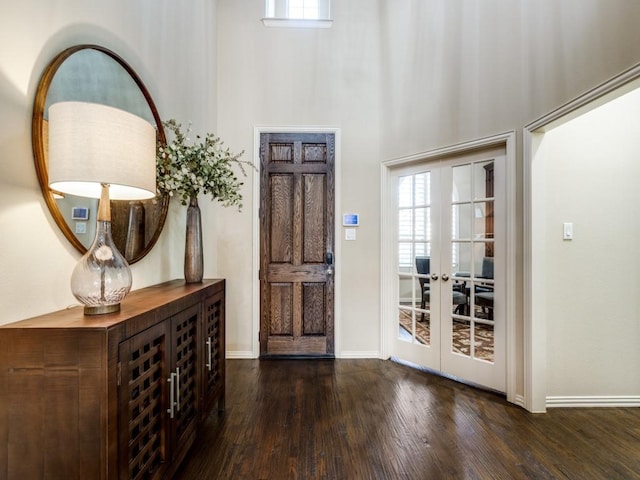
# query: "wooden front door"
[[296, 244]]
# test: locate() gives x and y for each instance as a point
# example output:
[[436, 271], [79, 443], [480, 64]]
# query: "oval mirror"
[[90, 73]]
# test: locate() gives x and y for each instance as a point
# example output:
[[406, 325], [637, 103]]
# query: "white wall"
[[591, 173], [171, 45]]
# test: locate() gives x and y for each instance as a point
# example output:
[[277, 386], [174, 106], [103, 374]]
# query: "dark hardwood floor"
[[374, 419]]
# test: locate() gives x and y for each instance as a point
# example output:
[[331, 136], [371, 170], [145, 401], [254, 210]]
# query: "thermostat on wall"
[[79, 213], [350, 219]]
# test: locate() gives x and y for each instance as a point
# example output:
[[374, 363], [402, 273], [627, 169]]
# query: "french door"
[[449, 264]]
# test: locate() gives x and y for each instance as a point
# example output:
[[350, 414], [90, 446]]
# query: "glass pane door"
[[473, 328], [449, 235], [472, 255], [414, 257], [416, 230]]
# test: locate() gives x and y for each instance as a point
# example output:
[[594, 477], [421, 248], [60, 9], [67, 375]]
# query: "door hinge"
[[118, 373]]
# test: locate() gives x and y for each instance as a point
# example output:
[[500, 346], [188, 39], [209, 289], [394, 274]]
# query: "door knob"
[[328, 260], [434, 276], [445, 277]]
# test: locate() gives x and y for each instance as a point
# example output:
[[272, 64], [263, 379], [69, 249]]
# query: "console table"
[[113, 396]]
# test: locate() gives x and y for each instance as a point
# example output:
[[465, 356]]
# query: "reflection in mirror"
[[90, 73]]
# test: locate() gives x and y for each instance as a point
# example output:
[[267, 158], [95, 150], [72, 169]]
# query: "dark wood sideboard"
[[113, 396]]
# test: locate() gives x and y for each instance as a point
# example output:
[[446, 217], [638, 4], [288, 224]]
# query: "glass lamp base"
[[102, 309], [102, 277]]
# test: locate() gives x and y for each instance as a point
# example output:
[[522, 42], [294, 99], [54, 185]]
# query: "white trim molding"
[[506, 140], [359, 354], [618, 401], [519, 400], [240, 355], [534, 335], [337, 297]]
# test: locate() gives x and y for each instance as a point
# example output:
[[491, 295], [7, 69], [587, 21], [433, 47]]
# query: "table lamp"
[[101, 152]]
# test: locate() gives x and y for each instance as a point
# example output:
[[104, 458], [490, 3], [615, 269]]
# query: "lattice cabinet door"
[[184, 334], [143, 397], [214, 322]]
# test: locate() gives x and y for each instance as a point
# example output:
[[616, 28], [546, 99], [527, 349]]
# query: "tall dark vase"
[[193, 266]]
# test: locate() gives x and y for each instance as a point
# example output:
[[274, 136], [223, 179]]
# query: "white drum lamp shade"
[[92, 144], [101, 152]]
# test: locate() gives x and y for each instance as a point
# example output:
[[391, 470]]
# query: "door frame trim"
[[387, 324], [257, 130]]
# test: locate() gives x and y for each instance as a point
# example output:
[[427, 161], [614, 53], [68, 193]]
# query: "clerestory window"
[[298, 13], [307, 9]]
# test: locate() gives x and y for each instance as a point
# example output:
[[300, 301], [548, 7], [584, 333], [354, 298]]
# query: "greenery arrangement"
[[186, 168]]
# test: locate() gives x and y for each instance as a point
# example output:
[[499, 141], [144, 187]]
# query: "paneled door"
[[296, 244], [449, 221]]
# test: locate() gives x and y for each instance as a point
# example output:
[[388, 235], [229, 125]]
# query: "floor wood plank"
[[374, 419]]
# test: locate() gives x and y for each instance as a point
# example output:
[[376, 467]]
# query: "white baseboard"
[[594, 401], [248, 354], [519, 401], [240, 355], [359, 354]]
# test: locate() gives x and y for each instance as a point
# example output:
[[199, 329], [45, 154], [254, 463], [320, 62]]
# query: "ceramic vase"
[[193, 266]]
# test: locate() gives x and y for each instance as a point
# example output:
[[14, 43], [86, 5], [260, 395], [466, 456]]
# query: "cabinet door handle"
[[178, 389], [171, 395], [209, 363]]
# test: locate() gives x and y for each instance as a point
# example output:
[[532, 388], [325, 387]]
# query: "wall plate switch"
[[567, 231], [349, 233]]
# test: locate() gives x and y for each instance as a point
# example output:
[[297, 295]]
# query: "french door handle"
[[445, 277], [434, 276]]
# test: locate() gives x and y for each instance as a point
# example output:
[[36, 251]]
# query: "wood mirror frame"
[[125, 214]]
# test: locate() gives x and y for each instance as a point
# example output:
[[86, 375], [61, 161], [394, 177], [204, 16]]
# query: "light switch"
[[567, 231], [349, 233]]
